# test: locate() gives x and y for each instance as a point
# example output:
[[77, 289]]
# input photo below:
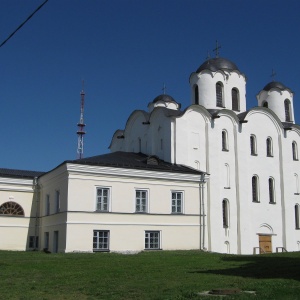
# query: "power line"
[[23, 23]]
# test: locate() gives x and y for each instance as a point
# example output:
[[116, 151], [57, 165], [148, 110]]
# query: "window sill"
[[141, 212], [255, 202], [296, 193], [101, 211], [176, 213], [152, 249], [101, 250], [225, 150], [227, 188], [253, 154], [270, 156], [296, 159], [272, 203]]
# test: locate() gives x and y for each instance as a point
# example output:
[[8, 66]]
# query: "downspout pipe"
[[36, 196], [203, 179]]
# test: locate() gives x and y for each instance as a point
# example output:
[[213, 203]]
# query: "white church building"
[[214, 177]]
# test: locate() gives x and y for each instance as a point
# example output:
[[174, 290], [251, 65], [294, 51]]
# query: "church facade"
[[214, 177]]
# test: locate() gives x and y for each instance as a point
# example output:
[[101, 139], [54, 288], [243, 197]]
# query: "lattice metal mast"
[[81, 125]]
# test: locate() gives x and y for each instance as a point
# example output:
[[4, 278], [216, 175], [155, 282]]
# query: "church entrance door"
[[265, 244]]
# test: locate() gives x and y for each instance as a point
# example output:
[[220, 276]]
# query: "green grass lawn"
[[147, 275]]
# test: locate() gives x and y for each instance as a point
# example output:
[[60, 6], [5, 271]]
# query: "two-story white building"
[[214, 176]]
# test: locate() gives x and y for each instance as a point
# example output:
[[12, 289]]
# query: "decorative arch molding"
[[268, 113], [199, 109], [265, 228], [132, 118], [11, 208]]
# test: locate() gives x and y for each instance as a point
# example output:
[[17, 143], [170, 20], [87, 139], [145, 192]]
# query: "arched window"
[[255, 197], [235, 99], [225, 212], [11, 209], [287, 110], [295, 150], [296, 184], [253, 145], [297, 221], [265, 104], [271, 191], [224, 140], [227, 176], [219, 94], [269, 147], [196, 91]]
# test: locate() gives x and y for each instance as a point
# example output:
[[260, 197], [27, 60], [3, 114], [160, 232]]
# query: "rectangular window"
[[177, 202], [57, 201], [101, 240], [141, 201], [46, 241], [47, 205], [102, 199], [33, 242], [152, 240]]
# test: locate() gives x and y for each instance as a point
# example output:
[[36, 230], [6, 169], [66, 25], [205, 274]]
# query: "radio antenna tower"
[[81, 125]]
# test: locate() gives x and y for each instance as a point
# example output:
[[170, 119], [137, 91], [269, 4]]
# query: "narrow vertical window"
[[224, 140], [103, 197], [227, 177], [235, 99], [225, 212], [297, 221], [287, 110], [295, 150], [219, 94], [196, 91], [177, 201], [253, 145], [296, 184], [255, 189], [57, 201], [269, 147], [46, 241], [271, 191], [141, 201], [266, 104]]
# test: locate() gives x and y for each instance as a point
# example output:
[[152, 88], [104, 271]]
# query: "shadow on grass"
[[259, 267]]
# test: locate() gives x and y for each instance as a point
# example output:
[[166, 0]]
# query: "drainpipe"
[[203, 180], [36, 195]]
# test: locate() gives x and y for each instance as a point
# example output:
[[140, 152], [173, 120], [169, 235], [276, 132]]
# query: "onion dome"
[[275, 84], [218, 63], [164, 98]]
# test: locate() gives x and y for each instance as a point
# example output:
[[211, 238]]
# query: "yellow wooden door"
[[265, 243]]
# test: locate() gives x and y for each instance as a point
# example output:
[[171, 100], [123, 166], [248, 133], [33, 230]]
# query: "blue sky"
[[125, 50]]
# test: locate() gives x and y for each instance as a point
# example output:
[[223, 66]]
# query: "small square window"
[[152, 240], [101, 240]]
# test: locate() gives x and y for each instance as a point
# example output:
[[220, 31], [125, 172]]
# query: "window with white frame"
[[152, 240], [271, 191], [224, 140], [295, 150], [177, 202], [47, 205], [57, 201], [255, 192], [103, 197], [101, 240], [141, 201], [269, 147], [235, 99], [225, 212], [297, 217]]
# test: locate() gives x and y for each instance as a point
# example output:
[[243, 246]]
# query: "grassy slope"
[[147, 275]]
